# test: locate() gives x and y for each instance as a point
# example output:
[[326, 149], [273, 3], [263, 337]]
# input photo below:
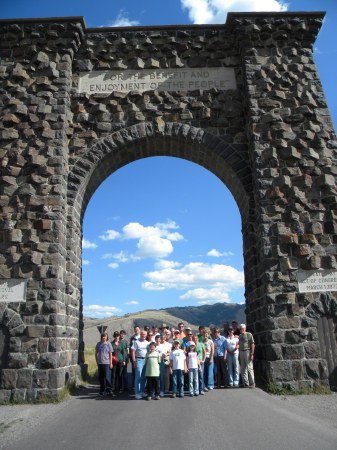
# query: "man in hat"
[[246, 355]]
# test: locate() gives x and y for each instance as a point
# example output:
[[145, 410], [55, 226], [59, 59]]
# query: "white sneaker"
[[138, 397], [161, 394]]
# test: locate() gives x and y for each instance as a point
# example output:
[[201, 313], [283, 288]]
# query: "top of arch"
[[231, 18]]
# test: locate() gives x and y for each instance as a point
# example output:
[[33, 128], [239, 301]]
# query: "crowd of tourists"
[[169, 361]]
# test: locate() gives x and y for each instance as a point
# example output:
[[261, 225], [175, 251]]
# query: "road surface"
[[226, 419]]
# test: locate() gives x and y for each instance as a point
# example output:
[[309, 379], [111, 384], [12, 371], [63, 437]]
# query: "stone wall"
[[270, 140], [35, 71]]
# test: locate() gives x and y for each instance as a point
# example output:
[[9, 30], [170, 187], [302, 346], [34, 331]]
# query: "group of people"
[[166, 360]]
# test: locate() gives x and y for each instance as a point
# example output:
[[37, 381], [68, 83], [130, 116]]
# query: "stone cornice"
[[232, 17]]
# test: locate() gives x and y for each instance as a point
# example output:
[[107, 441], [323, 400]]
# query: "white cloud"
[[113, 265], [122, 20], [153, 241], [219, 294], [85, 262], [165, 264], [121, 257], [100, 311], [87, 244], [153, 247], [148, 286], [132, 302], [195, 275], [218, 254], [109, 235], [215, 11]]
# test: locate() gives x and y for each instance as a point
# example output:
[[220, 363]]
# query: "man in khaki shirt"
[[246, 356]]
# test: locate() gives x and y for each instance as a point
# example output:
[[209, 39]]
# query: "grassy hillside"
[[192, 316]]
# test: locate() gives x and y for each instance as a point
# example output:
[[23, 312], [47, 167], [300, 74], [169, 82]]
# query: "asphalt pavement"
[[226, 419]]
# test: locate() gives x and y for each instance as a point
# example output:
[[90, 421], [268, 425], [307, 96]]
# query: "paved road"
[[240, 419]]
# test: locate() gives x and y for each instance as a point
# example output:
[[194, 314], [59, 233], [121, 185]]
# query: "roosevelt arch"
[[267, 135]]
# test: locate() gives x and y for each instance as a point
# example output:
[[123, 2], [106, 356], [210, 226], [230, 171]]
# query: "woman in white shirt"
[[231, 356], [165, 349]]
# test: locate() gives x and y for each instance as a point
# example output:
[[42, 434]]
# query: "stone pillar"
[[35, 126], [292, 149]]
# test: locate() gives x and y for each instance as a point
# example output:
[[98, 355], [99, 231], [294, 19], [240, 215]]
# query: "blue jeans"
[[104, 375], [233, 369], [178, 382], [140, 378], [208, 374], [201, 377], [164, 377], [193, 381]]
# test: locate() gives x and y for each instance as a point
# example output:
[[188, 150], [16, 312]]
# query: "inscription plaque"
[[13, 290], [317, 280], [222, 78]]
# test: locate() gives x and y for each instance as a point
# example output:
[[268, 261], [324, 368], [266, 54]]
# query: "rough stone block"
[[311, 369], [35, 331], [48, 394], [280, 371], [5, 396], [298, 371], [273, 352], [312, 350], [56, 378], [25, 378], [29, 344], [295, 336], [8, 379], [17, 360], [288, 322], [49, 360], [293, 352], [40, 379], [19, 395]]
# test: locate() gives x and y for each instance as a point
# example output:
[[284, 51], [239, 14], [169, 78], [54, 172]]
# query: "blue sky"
[[162, 231]]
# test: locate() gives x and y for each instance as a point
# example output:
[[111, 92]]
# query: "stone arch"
[[11, 326], [12, 321], [225, 159], [56, 148]]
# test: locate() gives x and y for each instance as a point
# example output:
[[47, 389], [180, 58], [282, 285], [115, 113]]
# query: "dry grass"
[[89, 358]]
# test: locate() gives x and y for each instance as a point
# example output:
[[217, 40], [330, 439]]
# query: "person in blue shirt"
[[219, 361]]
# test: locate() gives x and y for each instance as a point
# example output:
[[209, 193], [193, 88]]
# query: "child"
[[152, 368], [178, 368], [201, 352], [193, 365]]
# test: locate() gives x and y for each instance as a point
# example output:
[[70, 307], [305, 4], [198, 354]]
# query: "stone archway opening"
[[142, 142], [157, 187]]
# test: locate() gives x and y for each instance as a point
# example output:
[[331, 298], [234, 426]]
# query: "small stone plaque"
[[221, 78], [13, 291], [317, 280]]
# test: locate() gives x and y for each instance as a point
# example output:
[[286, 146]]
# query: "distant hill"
[[210, 314], [192, 316]]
